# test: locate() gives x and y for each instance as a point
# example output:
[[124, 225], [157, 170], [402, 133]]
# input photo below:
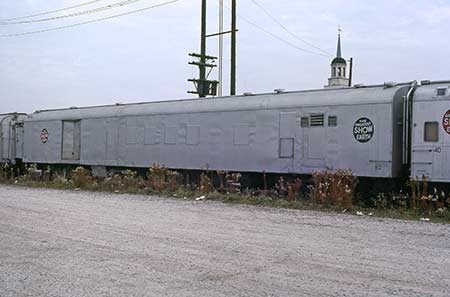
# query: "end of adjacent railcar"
[[11, 142], [430, 144]]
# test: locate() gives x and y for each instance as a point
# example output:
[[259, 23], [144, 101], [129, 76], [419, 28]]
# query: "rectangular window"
[[304, 122], [332, 121], [317, 120], [431, 131]]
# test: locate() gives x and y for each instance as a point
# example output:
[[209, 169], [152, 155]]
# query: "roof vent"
[[248, 94], [279, 91], [389, 84], [73, 107], [358, 86], [119, 103], [425, 82], [441, 92]]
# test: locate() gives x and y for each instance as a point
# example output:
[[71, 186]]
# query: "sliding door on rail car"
[[71, 137]]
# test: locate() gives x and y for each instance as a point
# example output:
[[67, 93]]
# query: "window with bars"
[[332, 121], [304, 122]]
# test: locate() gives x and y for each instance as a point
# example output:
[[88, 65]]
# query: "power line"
[[287, 30], [90, 22], [280, 38], [50, 12], [81, 13]]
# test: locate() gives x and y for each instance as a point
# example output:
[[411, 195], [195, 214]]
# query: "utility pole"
[[220, 91], [204, 87], [233, 47], [203, 49], [350, 77]]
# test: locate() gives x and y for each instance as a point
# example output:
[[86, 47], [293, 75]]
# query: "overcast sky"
[[143, 57]]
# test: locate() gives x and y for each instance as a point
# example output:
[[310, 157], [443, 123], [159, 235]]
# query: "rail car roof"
[[376, 94], [432, 91], [12, 114]]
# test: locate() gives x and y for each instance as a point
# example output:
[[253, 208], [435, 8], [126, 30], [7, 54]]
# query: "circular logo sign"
[[446, 122], [44, 136], [363, 130]]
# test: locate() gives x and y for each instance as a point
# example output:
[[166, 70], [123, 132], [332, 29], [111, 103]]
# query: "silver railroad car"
[[359, 128], [431, 132], [11, 137]]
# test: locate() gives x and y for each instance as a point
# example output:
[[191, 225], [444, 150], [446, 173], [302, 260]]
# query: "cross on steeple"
[[339, 51]]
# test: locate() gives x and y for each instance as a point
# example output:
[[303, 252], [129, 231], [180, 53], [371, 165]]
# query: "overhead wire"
[[76, 14], [50, 12], [91, 21], [287, 30], [282, 39]]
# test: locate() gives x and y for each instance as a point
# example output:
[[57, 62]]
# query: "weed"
[[293, 189], [334, 188], [205, 183], [233, 182], [281, 187], [82, 178], [157, 177], [32, 173], [5, 172]]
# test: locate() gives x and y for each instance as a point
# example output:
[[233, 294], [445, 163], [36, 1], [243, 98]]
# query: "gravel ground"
[[63, 243]]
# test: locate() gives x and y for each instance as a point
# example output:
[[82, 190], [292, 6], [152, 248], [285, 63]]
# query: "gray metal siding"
[[243, 134], [257, 143], [8, 134], [430, 159], [71, 135], [20, 135]]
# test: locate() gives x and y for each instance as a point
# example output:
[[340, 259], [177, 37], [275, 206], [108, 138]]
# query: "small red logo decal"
[[446, 122], [44, 136]]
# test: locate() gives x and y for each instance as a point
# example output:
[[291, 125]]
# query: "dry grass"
[[82, 178], [206, 186], [334, 188], [330, 191]]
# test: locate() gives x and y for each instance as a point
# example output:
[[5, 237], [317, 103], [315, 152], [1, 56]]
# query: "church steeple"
[[339, 51], [338, 68]]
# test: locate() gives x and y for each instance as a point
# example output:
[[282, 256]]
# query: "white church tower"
[[338, 77]]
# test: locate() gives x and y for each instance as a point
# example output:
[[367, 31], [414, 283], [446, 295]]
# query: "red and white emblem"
[[44, 136], [446, 122]]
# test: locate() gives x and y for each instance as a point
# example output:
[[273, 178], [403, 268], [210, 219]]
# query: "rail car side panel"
[[270, 140], [284, 133], [43, 142], [10, 144], [431, 134]]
